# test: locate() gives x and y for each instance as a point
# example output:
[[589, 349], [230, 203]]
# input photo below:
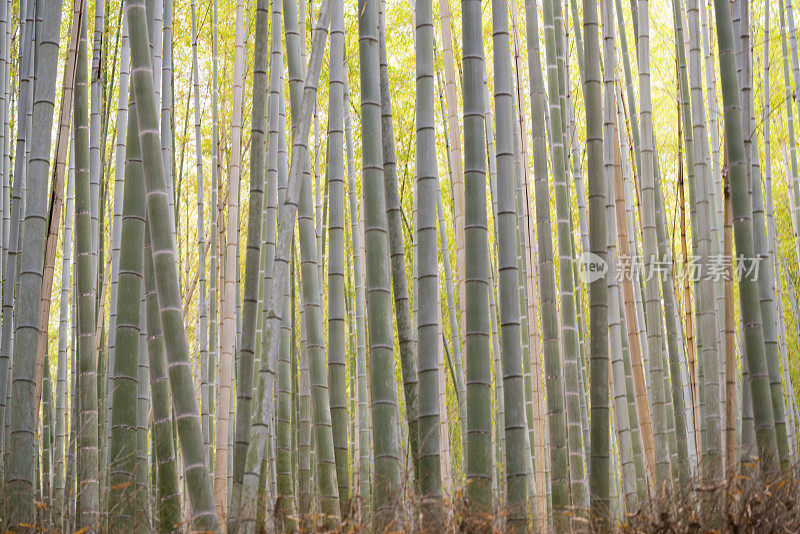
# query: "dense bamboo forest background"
[[328, 265]]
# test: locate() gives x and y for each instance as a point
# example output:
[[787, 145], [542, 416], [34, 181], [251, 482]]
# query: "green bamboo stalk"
[[160, 220], [25, 72], [119, 189], [280, 279], [769, 311], [88, 497], [337, 373], [405, 332], [775, 280], [597, 176], [364, 465], [122, 505], [382, 379], [427, 277], [169, 513], [247, 342], [743, 232], [310, 291], [559, 462], [515, 424], [456, 365], [20, 468]]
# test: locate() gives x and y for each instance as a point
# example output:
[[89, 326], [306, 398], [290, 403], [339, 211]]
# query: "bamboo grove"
[[322, 265]]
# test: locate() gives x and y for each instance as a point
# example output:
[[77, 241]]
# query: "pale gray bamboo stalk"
[[165, 38], [319, 400], [231, 272], [59, 479], [649, 248], [95, 134], [201, 243], [559, 457], [621, 410], [87, 504], [141, 473]]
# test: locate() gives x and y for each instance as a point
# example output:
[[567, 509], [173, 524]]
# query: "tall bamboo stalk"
[[336, 254], [169, 513], [61, 402], [363, 466], [213, 260], [230, 276], [515, 424], [405, 331], [649, 247], [478, 464], [382, 380], [598, 244], [449, 50], [20, 469], [202, 336], [122, 504], [88, 497], [743, 232], [427, 275], [325, 475], [25, 73], [247, 342], [160, 220], [280, 279], [277, 173], [559, 462]]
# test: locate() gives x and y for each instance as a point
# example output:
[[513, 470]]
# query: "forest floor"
[[740, 504]]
